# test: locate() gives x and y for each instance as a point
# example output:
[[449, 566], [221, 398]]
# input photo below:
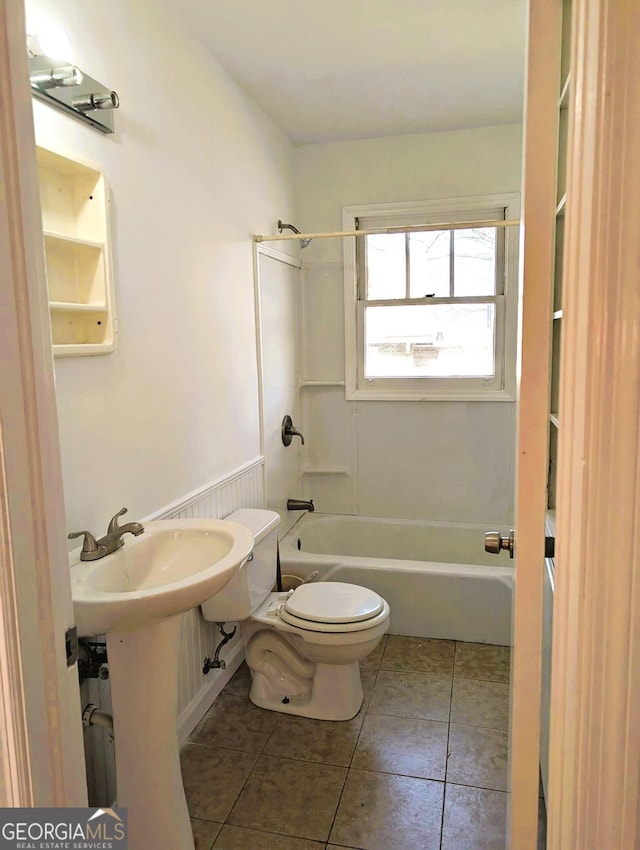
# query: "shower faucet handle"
[[289, 431]]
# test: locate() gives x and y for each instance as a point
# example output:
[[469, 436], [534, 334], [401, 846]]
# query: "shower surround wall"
[[439, 460], [195, 169], [278, 285]]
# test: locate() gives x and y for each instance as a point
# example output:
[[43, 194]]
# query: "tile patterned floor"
[[423, 766]]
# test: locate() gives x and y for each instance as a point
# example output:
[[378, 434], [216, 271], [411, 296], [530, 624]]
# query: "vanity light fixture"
[[61, 84]]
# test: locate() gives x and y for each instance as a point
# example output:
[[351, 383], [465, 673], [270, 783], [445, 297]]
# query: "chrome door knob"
[[494, 542]]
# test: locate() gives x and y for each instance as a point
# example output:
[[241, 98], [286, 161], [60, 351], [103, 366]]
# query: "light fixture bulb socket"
[[103, 100], [68, 75]]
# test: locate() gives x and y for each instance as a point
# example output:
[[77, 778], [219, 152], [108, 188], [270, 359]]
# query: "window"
[[431, 314]]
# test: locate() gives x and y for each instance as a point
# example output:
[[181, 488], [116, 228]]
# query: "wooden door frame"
[[40, 728], [534, 352]]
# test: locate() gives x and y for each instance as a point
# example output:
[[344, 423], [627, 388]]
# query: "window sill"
[[398, 395]]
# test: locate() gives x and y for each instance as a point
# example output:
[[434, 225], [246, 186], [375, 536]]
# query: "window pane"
[[386, 266], [475, 261], [430, 263], [439, 340]]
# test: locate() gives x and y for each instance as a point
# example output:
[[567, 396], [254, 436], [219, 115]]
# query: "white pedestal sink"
[[136, 597]]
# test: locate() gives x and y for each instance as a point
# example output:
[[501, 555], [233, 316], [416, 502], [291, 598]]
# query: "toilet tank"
[[256, 577]]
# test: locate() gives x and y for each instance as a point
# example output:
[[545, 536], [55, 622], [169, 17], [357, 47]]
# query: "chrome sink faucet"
[[93, 550]]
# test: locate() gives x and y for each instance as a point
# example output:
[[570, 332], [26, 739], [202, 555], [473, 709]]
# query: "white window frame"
[[502, 386]]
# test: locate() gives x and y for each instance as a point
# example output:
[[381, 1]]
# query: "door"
[[592, 447], [40, 727]]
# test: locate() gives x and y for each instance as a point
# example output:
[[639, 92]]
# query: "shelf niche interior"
[[74, 199]]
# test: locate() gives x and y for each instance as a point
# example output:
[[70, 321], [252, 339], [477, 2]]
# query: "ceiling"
[[350, 69]]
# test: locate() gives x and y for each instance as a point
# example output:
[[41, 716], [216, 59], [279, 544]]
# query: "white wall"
[[437, 460], [195, 170]]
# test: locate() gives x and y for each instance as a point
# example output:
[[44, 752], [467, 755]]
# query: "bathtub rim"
[[290, 554]]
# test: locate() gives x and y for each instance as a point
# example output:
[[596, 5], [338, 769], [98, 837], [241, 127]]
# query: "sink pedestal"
[[143, 667]]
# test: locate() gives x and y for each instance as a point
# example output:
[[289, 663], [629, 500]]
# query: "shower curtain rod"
[[417, 228]]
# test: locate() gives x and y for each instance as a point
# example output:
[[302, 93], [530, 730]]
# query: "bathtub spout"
[[300, 505]]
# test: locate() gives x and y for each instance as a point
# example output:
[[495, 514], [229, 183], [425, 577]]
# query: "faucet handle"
[[113, 522], [91, 551], [289, 431]]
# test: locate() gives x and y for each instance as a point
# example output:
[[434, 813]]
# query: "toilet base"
[[333, 693]]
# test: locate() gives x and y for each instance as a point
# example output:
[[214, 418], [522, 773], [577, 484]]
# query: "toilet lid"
[[333, 602]]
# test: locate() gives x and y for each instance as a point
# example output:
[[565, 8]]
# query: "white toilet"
[[303, 647]]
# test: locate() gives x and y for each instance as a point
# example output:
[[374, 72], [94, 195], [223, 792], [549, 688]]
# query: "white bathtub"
[[436, 576]]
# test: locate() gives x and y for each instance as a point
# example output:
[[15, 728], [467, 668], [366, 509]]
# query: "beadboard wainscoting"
[[242, 488]]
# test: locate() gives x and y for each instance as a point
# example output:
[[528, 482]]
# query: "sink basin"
[[136, 597], [169, 569]]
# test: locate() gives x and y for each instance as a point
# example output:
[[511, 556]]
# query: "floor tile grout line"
[[366, 711], [477, 787], [335, 814], [447, 754], [403, 775], [237, 797], [478, 679], [348, 769], [270, 832], [275, 726], [444, 802]]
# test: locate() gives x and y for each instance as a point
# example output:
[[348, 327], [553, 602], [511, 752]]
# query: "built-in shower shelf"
[[74, 199], [325, 470], [304, 385]]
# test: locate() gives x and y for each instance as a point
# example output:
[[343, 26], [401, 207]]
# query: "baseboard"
[[203, 700]]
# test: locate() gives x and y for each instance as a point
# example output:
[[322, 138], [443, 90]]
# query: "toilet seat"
[[333, 607]]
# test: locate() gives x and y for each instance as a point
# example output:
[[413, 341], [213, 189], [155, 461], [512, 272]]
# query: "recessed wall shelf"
[[71, 307], [74, 198], [63, 237]]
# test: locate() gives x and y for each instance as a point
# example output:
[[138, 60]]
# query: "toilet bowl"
[[303, 647]]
